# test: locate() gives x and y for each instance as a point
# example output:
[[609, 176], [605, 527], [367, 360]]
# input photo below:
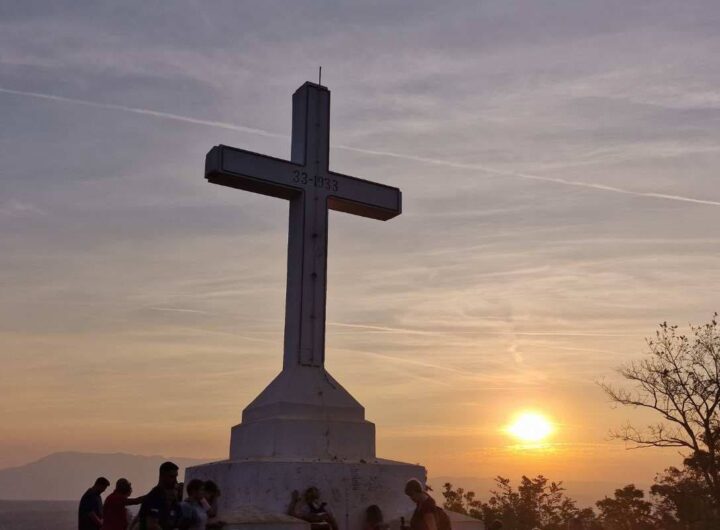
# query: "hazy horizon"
[[558, 168], [66, 475]]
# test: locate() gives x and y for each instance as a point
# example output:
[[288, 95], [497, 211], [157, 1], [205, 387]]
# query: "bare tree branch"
[[678, 380]]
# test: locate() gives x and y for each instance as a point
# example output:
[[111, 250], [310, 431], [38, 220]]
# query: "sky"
[[558, 167]]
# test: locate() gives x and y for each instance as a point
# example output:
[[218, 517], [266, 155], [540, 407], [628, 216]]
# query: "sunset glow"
[[530, 427], [557, 163]]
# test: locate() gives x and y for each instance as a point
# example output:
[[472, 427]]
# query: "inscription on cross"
[[312, 189]]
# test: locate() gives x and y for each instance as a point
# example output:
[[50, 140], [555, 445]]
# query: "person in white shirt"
[[193, 509]]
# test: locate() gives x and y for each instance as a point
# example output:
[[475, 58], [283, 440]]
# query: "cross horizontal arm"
[[245, 170], [250, 171], [365, 198]]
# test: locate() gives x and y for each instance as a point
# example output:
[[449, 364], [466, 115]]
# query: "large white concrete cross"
[[307, 182]]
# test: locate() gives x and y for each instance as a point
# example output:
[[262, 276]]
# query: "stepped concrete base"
[[349, 487], [304, 413], [302, 438]]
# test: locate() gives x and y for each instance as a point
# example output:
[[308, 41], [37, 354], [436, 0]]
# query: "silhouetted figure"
[[310, 508], [160, 509], [115, 512], [179, 491], [194, 512], [374, 519], [495, 525], [424, 516], [212, 495], [90, 510]]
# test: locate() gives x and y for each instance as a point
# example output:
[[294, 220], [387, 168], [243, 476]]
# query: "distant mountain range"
[[66, 476]]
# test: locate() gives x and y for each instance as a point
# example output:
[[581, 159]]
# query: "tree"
[[682, 501], [627, 510], [461, 501], [537, 503], [678, 380]]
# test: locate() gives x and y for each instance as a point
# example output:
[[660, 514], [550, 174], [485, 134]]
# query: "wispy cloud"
[[373, 152], [559, 169], [144, 112], [528, 176], [179, 310], [461, 331], [15, 208]]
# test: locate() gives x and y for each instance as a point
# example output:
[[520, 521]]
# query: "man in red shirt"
[[115, 513]]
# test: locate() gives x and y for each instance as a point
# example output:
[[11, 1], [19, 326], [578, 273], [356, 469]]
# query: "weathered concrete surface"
[[348, 487], [306, 430], [303, 413]]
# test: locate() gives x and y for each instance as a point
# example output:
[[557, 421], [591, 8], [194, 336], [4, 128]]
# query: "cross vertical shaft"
[[308, 232]]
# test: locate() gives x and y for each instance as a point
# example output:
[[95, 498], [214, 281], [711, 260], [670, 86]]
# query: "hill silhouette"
[[66, 476]]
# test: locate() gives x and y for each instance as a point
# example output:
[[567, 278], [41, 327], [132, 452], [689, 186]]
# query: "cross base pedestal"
[[302, 438], [303, 413], [349, 487]]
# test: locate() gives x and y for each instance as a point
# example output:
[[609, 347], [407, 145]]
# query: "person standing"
[[115, 513], [210, 503], [90, 510], [194, 509], [423, 518], [159, 509]]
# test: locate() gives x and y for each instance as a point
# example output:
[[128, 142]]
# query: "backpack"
[[442, 519]]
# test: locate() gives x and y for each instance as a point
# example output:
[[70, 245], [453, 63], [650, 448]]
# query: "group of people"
[[168, 506], [174, 506], [427, 515]]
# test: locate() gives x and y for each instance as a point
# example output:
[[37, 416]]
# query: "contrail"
[[500, 172], [179, 310], [373, 152], [146, 112], [408, 331]]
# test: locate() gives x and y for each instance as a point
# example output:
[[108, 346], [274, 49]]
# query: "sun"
[[530, 427]]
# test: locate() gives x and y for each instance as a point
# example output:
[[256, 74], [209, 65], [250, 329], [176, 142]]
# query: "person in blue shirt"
[[90, 509]]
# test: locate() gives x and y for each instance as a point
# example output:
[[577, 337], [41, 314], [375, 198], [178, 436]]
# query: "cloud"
[[144, 112], [424, 160], [14, 208], [179, 310], [558, 164]]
